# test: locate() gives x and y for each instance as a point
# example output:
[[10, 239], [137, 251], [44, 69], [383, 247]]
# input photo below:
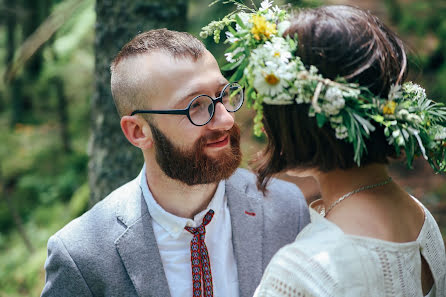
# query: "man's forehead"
[[203, 85], [185, 76]]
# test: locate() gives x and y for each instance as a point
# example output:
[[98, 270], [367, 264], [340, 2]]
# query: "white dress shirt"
[[174, 244]]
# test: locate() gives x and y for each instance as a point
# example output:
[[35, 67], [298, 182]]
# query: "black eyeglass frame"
[[186, 110]]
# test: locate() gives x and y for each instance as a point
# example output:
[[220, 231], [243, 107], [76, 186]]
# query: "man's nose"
[[222, 119]]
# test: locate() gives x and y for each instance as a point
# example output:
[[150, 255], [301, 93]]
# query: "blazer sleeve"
[[63, 277]]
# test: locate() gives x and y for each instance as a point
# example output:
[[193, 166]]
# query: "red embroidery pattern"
[[253, 214], [201, 266]]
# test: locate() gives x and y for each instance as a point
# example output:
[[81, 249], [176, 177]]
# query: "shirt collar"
[[173, 224]]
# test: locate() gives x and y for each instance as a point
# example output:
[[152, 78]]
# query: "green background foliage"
[[45, 124]]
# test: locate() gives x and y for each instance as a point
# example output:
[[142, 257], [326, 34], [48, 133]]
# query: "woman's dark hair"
[[341, 41]]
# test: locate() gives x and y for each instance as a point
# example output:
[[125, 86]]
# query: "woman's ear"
[[137, 131]]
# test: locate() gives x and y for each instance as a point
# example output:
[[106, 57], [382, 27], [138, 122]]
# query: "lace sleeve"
[[292, 274], [274, 287]]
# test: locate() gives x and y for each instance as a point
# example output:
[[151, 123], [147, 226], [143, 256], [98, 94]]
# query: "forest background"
[[61, 148]]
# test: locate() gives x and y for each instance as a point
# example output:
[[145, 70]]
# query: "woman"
[[367, 236]]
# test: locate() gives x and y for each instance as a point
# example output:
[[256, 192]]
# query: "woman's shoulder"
[[320, 234], [311, 265], [433, 249], [430, 230], [319, 247]]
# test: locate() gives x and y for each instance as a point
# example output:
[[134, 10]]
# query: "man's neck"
[[176, 197]]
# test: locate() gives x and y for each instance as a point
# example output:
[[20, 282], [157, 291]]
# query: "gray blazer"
[[111, 250]]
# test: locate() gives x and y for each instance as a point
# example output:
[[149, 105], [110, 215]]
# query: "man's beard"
[[193, 166]]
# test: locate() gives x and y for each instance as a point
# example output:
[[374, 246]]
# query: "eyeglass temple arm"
[[173, 111]]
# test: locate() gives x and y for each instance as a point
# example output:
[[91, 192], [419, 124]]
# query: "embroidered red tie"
[[201, 266]]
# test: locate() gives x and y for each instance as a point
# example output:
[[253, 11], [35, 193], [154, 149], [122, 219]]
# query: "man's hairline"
[[115, 63]]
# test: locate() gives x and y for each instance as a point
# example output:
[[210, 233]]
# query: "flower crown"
[[265, 64]]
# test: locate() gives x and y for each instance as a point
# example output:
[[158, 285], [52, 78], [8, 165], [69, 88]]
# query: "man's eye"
[[195, 105]]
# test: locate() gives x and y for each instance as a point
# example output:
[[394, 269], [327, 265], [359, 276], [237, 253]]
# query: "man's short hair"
[[126, 83]]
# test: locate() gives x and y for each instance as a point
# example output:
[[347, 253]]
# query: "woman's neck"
[[336, 183], [384, 212]]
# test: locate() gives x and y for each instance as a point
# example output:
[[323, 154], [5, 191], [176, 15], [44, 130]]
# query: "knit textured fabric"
[[324, 261]]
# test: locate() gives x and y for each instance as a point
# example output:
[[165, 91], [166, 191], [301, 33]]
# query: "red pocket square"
[[253, 214]]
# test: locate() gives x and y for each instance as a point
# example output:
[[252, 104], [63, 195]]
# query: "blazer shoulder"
[[102, 215], [280, 189], [281, 195], [284, 190]]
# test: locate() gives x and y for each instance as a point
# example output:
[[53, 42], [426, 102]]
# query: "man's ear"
[[137, 131]]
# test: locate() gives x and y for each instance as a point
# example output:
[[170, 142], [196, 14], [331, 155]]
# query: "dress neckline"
[[315, 215]]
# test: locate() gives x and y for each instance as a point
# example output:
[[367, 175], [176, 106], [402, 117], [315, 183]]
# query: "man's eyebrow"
[[197, 92]]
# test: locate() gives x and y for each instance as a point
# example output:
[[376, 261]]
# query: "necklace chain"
[[363, 188]]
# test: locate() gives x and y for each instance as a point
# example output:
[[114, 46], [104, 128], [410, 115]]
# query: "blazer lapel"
[[138, 249], [247, 234]]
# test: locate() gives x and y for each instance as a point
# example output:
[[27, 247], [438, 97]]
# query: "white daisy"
[[276, 9], [230, 56], [278, 48], [271, 80], [230, 37], [265, 5]]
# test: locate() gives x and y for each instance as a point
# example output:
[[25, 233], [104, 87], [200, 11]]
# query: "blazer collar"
[[247, 231], [137, 245]]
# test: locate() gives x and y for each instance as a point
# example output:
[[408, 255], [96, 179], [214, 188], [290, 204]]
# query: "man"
[[191, 224]]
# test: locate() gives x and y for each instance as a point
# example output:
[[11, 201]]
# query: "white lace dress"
[[324, 261]]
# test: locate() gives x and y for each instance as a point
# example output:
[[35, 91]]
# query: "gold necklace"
[[363, 188]]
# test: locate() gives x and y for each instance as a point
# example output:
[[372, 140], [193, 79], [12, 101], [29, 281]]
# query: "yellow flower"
[[272, 79], [262, 29], [389, 108]]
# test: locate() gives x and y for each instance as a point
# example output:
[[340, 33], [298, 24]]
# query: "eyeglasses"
[[201, 109]]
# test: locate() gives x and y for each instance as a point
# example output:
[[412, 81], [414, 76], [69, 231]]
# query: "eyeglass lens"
[[202, 107]]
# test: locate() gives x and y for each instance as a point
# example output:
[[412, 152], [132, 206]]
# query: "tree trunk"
[[113, 161], [62, 111], [14, 86], [5, 192], [34, 13], [394, 10]]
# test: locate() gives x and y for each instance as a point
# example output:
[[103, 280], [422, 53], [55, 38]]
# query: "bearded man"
[[191, 223]]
